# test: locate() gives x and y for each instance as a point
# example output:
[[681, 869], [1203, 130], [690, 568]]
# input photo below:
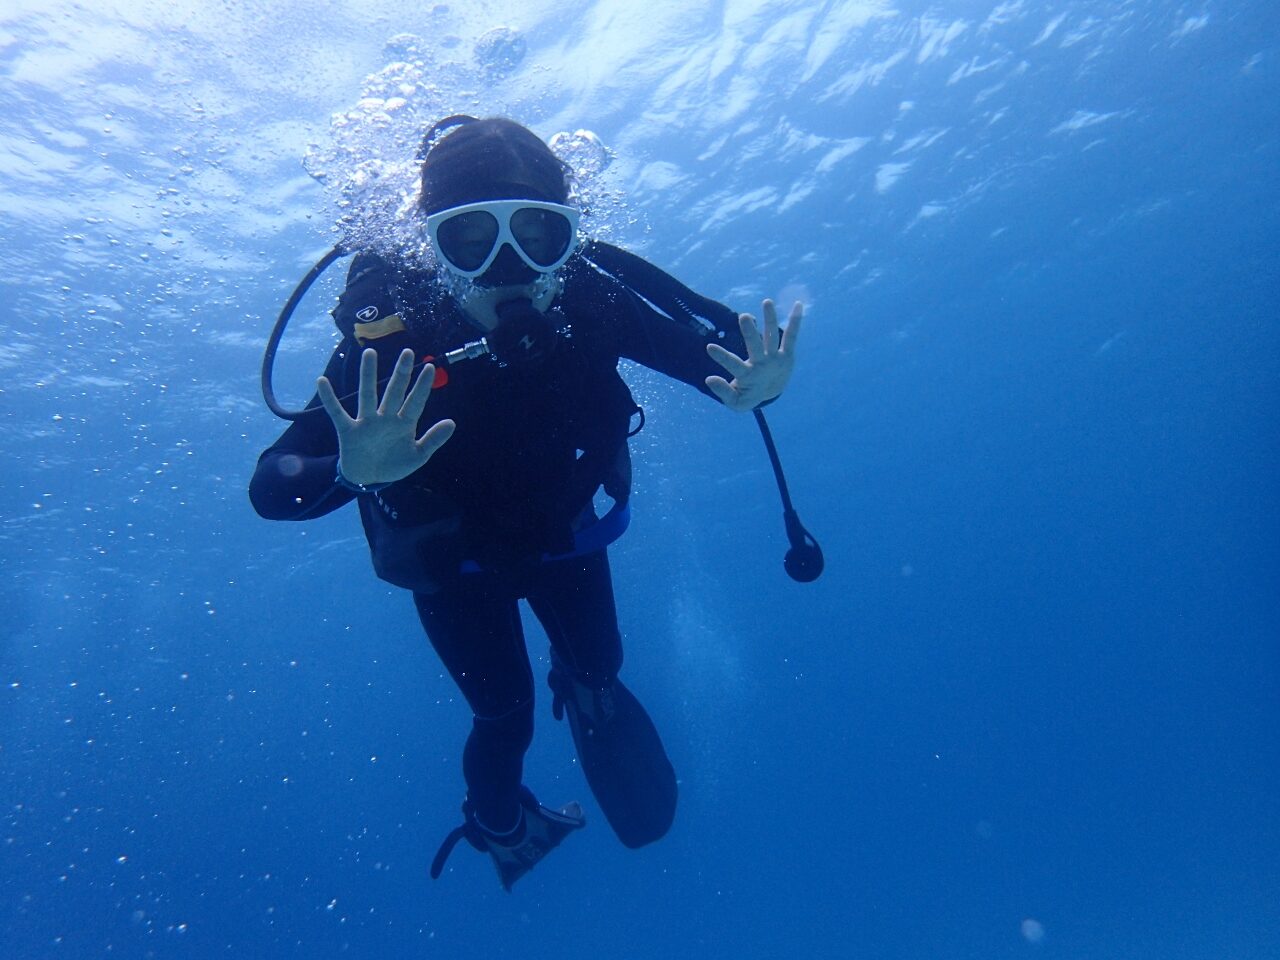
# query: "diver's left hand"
[[764, 373]]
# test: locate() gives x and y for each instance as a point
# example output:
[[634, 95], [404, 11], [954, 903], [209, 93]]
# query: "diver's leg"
[[475, 629], [573, 601], [620, 751]]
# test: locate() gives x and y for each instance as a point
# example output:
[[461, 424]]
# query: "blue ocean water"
[[1030, 710]]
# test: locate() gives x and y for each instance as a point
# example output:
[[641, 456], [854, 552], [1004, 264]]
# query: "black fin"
[[621, 754]]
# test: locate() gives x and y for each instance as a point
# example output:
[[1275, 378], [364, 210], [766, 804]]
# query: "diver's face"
[[508, 278], [502, 249]]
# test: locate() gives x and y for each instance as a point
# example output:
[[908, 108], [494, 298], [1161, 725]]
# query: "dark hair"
[[490, 159]]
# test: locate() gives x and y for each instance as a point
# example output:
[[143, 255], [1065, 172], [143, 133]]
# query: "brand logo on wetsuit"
[[365, 314]]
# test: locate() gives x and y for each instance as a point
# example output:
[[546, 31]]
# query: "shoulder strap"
[[367, 297]]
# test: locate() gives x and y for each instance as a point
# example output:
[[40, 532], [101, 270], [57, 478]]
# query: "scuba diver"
[[476, 479]]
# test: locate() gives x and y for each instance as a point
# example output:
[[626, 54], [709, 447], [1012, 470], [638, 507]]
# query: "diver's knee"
[[513, 728]]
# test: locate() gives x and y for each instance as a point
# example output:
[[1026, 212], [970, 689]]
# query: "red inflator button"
[[442, 373]]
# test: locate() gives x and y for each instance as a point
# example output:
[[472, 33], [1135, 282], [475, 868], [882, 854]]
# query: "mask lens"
[[467, 239], [543, 235]]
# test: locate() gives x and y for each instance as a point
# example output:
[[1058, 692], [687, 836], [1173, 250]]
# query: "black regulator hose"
[[277, 332], [803, 561]]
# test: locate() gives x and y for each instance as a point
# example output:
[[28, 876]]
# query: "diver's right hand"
[[380, 445]]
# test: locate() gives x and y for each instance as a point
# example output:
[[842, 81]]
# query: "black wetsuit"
[[470, 532]]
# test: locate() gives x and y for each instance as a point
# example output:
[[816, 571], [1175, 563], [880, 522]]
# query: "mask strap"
[[440, 127]]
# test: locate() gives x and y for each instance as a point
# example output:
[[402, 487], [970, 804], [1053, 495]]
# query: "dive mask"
[[467, 239]]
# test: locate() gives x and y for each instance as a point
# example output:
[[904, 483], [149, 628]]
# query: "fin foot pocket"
[[539, 832]]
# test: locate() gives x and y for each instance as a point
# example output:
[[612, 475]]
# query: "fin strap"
[[446, 848]]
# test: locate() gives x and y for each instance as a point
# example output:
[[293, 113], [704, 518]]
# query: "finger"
[[434, 439], [730, 361], [329, 400], [750, 335], [416, 402], [770, 312], [393, 395], [368, 393], [792, 332], [722, 390]]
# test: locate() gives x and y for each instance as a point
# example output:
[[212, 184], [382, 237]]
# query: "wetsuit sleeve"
[[296, 477], [676, 348]]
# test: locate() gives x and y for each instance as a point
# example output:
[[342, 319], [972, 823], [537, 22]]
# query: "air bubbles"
[[583, 151], [368, 168], [368, 164], [403, 46], [500, 50], [605, 209], [1032, 931]]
